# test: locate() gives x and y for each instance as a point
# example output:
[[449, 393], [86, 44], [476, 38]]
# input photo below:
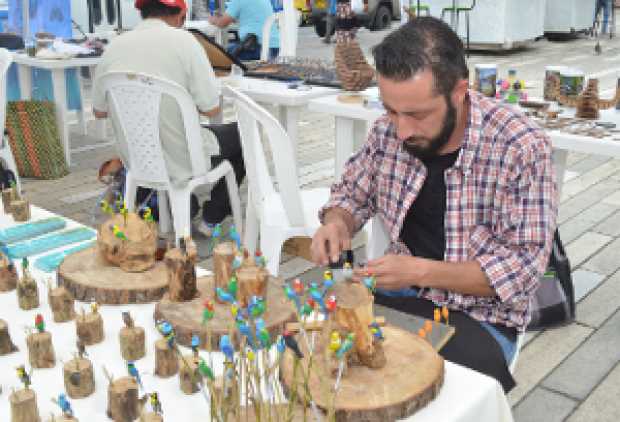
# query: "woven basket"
[[354, 72]]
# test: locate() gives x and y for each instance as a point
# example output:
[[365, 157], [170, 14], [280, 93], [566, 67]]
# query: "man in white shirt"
[[159, 47]]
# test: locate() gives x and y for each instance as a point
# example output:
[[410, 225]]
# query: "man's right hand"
[[332, 238]]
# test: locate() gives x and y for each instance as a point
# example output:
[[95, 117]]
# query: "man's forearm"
[[460, 277]]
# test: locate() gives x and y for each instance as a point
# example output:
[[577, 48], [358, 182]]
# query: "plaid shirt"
[[500, 204]]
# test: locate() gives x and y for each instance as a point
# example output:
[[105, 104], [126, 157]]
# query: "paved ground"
[[571, 373]]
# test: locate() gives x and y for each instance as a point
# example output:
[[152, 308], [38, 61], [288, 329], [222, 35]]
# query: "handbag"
[[553, 303], [34, 139]]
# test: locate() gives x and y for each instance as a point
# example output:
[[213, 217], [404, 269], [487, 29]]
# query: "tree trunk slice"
[[27, 293], [61, 302], [188, 374], [252, 281], [132, 343], [6, 200], [123, 404], [89, 328], [41, 350], [90, 278], [166, 359], [151, 417], [62, 418], [223, 256], [20, 210], [411, 378], [24, 406], [186, 317], [181, 270], [8, 274], [6, 345], [79, 378]]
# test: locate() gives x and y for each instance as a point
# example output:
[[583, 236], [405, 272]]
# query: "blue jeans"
[[606, 6], [253, 54]]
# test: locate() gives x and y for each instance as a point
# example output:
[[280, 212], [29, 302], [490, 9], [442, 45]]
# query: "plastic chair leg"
[[179, 203], [164, 211], [250, 237], [271, 247], [235, 201], [130, 192]]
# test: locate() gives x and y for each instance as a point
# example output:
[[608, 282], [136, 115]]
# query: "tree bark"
[[166, 360]]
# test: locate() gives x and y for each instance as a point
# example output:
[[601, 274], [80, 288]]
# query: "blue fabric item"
[[43, 90], [509, 348], [251, 16], [410, 292], [332, 7], [252, 54]]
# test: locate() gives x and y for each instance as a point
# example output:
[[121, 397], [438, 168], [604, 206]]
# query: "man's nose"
[[405, 127]]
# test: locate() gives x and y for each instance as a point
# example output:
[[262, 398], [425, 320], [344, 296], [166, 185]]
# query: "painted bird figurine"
[[346, 345], [291, 343], [195, 344], [259, 259], [65, 405], [376, 331], [39, 323], [133, 371], [237, 261], [205, 370], [370, 282], [335, 341], [106, 207], [227, 348], [233, 287], [118, 233], [224, 296], [23, 376], [208, 311], [155, 403], [148, 215], [127, 319], [235, 236]]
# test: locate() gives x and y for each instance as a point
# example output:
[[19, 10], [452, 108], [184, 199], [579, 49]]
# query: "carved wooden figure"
[[27, 292], [89, 327], [181, 268]]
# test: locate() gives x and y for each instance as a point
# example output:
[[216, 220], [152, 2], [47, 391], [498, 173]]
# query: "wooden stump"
[[89, 328], [151, 417], [6, 345], [27, 292], [411, 378], [24, 406], [6, 200], [181, 268], [90, 278], [223, 256], [41, 350], [62, 418], [20, 210], [8, 274], [252, 281], [61, 302], [123, 404], [79, 378], [137, 252], [166, 359], [188, 374], [132, 343]]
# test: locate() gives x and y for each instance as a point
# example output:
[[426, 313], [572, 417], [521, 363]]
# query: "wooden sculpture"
[[62, 304], [40, 348], [89, 327], [131, 339], [181, 267], [223, 256], [27, 290], [354, 72], [24, 406], [123, 402], [588, 103], [78, 374], [6, 345], [21, 210], [8, 274]]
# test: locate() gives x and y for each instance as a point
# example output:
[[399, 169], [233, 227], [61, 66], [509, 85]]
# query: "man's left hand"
[[393, 272]]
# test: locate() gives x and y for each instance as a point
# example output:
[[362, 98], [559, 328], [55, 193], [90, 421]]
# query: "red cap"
[[171, 3]]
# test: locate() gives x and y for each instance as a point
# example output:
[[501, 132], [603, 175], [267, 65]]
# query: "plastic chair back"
[[288, 33], [252, 119], [6, 58]]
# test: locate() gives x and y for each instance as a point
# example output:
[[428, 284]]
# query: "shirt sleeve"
[[234, 9], [203, 86], [514, 251], [355, 192]]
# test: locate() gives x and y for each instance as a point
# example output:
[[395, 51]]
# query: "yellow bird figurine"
[[118, 232], [106, 207], [437, 315], [335, 341], [148, 215], [94, 307]]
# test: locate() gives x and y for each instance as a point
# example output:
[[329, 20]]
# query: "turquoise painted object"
[[51, 261], [48, 242], [30, 230]]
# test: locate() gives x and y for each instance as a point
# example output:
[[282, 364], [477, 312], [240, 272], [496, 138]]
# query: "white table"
[[57, 68], [466, 395]]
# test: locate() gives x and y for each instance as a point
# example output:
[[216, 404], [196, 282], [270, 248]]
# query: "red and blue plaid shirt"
[[501, 204]]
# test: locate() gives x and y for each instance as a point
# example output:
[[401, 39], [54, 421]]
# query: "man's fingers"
[[319, 248], [334, 242]]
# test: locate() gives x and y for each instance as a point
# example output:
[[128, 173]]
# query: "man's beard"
[[429, 147]]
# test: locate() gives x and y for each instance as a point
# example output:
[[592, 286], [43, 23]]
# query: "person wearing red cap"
[[158, 46]]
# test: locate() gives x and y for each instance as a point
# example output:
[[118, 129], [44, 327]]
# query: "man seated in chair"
[[251, 16], [159, 47], [465, 188]]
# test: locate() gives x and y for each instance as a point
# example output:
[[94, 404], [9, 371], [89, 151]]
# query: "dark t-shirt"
[[423, 229]]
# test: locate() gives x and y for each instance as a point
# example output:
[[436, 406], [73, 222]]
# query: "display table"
[[466, 396], [566, 16]]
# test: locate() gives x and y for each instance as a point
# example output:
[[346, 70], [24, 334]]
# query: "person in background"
[[606, 7], [330, 21], [250, 16], [158, 46]]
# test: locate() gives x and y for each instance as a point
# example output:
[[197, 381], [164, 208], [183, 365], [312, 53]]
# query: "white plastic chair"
[[513, 364], [288, 34], [134, 101], [278, 214], [6, 155]]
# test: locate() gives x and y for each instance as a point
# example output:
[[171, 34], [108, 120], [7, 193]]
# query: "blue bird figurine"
[[227, 348]]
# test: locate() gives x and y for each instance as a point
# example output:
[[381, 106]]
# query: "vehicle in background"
[[305, 8], [377, 15]]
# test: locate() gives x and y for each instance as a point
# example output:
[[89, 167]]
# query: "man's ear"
[[459, 91]]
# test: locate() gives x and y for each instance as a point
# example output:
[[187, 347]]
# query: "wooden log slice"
[[24, 406], [136, 252], [41, 350], [8, 274], [411, 378], [61, 302], [20, 210], [89, 328], [6, 345], [123, 404], [151, 417], [79, 378], [90, 278], [62, 418], [132, 343], [27, 293], [166, 360], [186, 317], [6, 200]]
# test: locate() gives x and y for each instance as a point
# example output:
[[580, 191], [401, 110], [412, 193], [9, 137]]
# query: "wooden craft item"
[[6, 200], [218, 57], [62, 418], [137, 252], [123, 403], [588, 103], [79, 378], [354, 72], [411, 378], [223, 256], [151, 417], [62, 304], [186, 317], [89, 328], [6, 345], [41, 350], [132, 343], [24, 406], [181, 269], [90, 278], [252, 281], [188, 374], [20, 210], [27, 292], [166, 359], [8, 274]]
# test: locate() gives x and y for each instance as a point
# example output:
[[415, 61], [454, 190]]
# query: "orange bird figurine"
[[445, 313], [422, 333], [437, 315]]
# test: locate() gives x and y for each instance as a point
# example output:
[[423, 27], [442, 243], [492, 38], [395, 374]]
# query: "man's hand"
[[393, 272], [329, 241]]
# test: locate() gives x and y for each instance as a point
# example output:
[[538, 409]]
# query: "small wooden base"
[[62, 304], [6, 200], [188, 375], [79, 378], [186, 317], [135, 253], [27, 293], [181, 275], [89, 328], [123, 404], [20, 210], [132, 343], [166, 359], [252, 281], [6, 345], [90, 278], [24, 406], [223, 256], [62, 418], [151, 417], [41, 350], [8, 274]]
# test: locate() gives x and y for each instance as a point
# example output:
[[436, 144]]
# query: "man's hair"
[[423, 43], [155, 9]]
